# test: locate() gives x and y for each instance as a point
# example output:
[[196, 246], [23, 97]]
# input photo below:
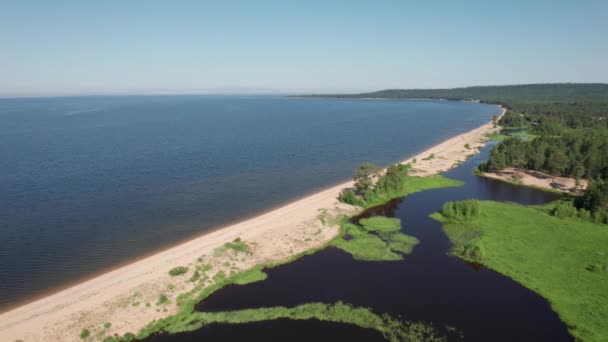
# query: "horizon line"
[[247, 91]]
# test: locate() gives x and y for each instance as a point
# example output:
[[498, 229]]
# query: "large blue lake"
[[89, 183]]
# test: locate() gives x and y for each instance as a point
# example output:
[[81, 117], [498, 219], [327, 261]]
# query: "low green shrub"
[[237, 245], [348, 196], [471, 252], [194, 277], [584, 214], [178, 271], [162, 299], [461, 210], [600, 216], [84, 333], [564, 209]]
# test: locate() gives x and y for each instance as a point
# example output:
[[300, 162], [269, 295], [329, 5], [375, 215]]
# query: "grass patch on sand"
[[175, 271], [162, 299], [237, 245], [84, 333], [517, 181], [376, 239], [564, 260]]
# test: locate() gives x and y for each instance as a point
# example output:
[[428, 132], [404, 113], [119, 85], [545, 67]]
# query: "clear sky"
[[76, 47]]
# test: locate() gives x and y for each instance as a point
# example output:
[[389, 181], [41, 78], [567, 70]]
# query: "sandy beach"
[[540, 180], [126, 297]]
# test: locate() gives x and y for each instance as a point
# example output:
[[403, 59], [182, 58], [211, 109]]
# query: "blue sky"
[[81, 47]]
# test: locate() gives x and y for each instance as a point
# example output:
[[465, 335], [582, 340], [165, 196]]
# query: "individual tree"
[[363, 177], [538, 157], [595, 197], [577, 172], [556, 162], [393, 179]]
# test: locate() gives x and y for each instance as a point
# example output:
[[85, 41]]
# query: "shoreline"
[[538, 180], [273, 235]]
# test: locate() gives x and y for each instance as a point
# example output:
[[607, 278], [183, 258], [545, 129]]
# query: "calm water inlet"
[[429, 285]]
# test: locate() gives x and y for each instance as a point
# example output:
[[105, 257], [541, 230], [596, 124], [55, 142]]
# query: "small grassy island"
[[563, 259], [379, 238], [375, 239]]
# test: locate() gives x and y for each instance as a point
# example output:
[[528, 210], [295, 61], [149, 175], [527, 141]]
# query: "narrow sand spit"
[[128, 296]]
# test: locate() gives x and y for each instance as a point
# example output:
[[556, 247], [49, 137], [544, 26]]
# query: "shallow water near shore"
[[429, 285], [90, 183]]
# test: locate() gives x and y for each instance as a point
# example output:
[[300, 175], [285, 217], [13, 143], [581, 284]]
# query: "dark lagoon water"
[[89, 183], [429, 285]]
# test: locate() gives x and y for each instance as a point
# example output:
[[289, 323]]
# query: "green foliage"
[[391, 328], [205, 268], [393, 180], [569, 124], [600, 217], [363, 177], [571, 104], [584, 214], [162, 299], [348, 196], [195, 276], [564, 209], [467, 146], [431, 156], [401, 243], [251, 276], [219, 277], [596, 197], [237, 245], [376, 239], [381, 224], [395, 183], [577, 154], [178, 271], [561, 259], [84, 333], [365, 246], [461, 210], [128, 337], [107, 325]]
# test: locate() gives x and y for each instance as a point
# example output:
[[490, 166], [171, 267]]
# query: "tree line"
[[570, 121], [577, 153]]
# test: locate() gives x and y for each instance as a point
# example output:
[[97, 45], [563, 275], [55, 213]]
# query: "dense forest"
[[574, 104], [568, 123]]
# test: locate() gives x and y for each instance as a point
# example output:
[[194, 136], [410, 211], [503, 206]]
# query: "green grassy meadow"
[[563, 260]]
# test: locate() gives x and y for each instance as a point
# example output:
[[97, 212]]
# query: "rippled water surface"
[[88, 183]]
